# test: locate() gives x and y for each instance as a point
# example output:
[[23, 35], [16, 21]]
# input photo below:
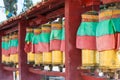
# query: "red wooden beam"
[[9, 24], [46, 73], [89, 77], [58, 13], [38, 20], [44, 8], [10, 68], [110, 1], [12, 29], [89, 2], [44, 19], [92, 2]]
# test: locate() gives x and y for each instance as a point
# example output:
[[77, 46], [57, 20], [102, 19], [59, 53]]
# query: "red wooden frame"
[[110, 1], [47, 73]]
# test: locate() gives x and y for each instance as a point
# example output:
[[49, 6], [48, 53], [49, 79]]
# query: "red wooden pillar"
[[23, 67], [4, 75], [73, 11], [73, 55]]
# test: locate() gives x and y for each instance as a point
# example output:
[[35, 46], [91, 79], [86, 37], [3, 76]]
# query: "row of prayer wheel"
[[98, 37], [45, 44], [10, 49]]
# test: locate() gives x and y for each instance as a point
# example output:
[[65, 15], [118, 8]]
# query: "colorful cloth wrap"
[[63, 37], [86, 34], [35, 40], [44, 41], [56, 36], [28, 40], [5, 46], [13, 44], [107, 30]]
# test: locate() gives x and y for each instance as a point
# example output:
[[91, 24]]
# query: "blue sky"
[[20, 5]]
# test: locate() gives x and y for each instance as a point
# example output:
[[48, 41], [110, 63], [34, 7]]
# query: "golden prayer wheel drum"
[[118, 59], [7, 59], [97, 58], [47, 58], [63, 57], [38, 58], [14, 58], [30, 57], [107, 59], [3, 58], [88, 57], [57, 57], [11, 54]]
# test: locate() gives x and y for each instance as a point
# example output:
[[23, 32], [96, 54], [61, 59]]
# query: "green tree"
[[27, 4], [10, 7]]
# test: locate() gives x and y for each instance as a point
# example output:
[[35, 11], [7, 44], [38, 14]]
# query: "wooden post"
[[73, 11], [23, 67], [73, 55]]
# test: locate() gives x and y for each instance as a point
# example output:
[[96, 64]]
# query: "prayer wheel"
[[86, 39], [28, 45], [108, 59], [7, 54], [57, 57], [88, 58], [63, 40], [14, 49], [38, 59], [108, 38], [38, 54], [55, 43], [47, 58], [30, 57], [86, 34], [45, 44]]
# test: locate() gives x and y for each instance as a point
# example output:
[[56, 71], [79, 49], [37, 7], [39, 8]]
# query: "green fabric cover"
[[45, 37], [116, 24], [29, 37], [63, 33], [105, 27], [110, 26], [36, 39], [56, 34], [87, 29], [14, 43], [5, 45]]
